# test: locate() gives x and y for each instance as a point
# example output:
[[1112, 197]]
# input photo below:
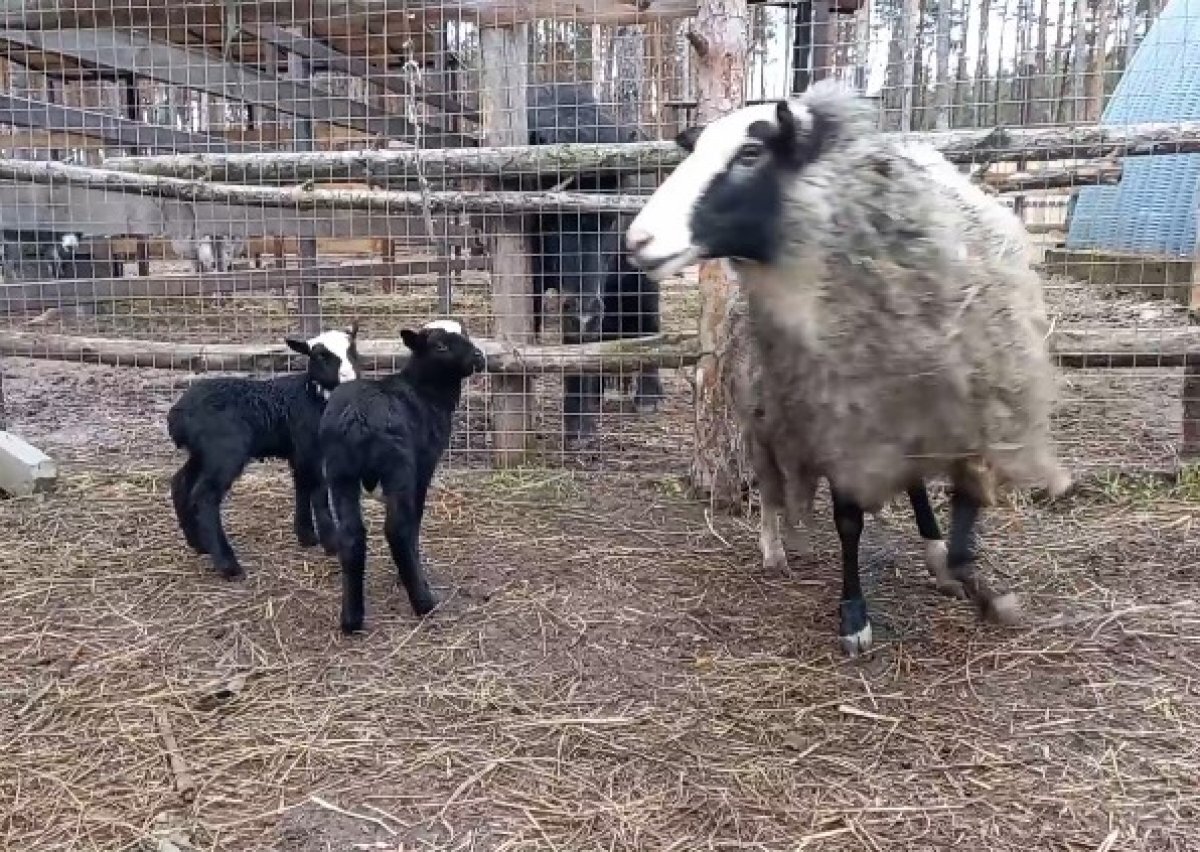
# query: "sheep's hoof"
[[330, 547], [1002, 609], [307, 538], [950, 588], [231, 572], [775, 562], [351, 626], [936, 563], [855, 628], [422, 606]]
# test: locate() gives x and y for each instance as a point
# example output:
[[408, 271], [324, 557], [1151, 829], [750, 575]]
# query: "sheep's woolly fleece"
[[904, 326]]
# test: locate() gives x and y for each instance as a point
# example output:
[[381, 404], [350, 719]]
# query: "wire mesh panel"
[[611, 664]]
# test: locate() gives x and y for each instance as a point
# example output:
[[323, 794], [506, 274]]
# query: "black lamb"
[[391, 433], [227, 421]]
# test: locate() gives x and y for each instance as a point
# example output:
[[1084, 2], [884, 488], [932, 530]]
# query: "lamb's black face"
[[443, 347], [726, 199], [332, 357]]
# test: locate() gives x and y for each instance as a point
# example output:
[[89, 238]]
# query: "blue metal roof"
[[1153, 209]]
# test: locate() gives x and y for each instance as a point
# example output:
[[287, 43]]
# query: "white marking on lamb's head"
[[725, 200], [446, 325], [69, 242], [332, 357]]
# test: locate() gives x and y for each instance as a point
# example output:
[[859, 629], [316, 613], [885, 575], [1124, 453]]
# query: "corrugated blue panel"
[[1153, 209]]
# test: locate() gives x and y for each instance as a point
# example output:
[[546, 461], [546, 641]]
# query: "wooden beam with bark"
[[1091, 348], [964, 147], [133, 53]]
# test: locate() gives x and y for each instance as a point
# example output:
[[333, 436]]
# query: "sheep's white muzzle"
[[660, 266]]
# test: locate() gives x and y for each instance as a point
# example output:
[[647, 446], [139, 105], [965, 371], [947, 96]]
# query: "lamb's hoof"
[[330, 547], [231, 572], [1002, 609], [197, 547], [950, 589], [855, 628], [351, 626], [422, 606], [307, 538]]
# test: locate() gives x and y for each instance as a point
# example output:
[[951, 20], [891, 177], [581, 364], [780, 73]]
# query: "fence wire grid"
[[183, 185]]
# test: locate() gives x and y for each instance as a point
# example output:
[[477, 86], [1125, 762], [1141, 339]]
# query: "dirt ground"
[[612, 669]]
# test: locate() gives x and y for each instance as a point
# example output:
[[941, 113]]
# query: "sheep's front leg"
[[352, 552], [402, 527], [306, 485], [182, 485], [998, 608], [936, 553], [855, 629]]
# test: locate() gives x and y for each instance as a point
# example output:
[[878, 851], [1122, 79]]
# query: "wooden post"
[[505, 72], [310, 291], [1189, 444], [721, 41], [141, 249]]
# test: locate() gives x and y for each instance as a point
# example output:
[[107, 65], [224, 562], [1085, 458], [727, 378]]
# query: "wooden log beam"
[[963, 147], [397, 16], [666, 351], [115, 130], [1094, 348], [304, 197], [133, 53], [28, 296], [1103, 173]]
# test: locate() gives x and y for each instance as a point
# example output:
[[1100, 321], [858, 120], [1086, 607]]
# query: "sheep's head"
[[725, 200], [442, 348], [332, 357]]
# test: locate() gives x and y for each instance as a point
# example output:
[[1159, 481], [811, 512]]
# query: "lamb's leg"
[[402, 527], [352, 551], [581, 405], [182, 484], [1002, 608], [212, 484], [935, 547], [855, 629], [327, 530], [305, 486]]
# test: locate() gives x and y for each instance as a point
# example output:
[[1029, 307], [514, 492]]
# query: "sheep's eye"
[[440, 347], [749, 154]]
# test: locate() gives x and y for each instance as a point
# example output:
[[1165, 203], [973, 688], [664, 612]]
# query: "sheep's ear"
[[298, 344], [788, 126], [414, 340], [687, 138]]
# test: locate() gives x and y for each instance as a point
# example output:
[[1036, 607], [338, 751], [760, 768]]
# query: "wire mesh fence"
[[182, 185]]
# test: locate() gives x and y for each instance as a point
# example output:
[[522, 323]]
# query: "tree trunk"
[[1079, 61], [1095, 100], [985, 65], [720, 39], [945, 11], [629, 74]]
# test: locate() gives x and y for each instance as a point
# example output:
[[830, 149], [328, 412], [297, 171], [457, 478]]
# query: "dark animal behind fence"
[[391, 433], [582, 255], [225, 422]]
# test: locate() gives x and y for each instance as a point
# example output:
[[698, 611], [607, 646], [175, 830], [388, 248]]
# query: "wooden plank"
[[504, 70], [310, 291], [192, 69], [113, 129], [27, 296], [97, 213], [24, 469], [392, 16], [236, 140]]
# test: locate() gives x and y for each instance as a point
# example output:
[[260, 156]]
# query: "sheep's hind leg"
[[936, 554], [402, 527], [352, 551], [855, 629], [1002, 608], [182, 483], [306, 486], [772, 510], [212, 484]]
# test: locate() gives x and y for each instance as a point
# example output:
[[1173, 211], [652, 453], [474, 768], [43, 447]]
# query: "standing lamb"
[[895, 307], [391, 433], [786, 485], [227, 421]]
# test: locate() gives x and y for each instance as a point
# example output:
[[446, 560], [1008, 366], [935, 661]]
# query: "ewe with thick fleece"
[[225, 422], [391, 433], [900, 322]]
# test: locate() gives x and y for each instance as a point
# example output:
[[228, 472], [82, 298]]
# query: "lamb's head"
[[442, 348], [332, 357], [725, 200]]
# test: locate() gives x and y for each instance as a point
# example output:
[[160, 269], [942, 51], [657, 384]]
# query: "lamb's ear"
[[298, 344], [414, 340], [687, 138]]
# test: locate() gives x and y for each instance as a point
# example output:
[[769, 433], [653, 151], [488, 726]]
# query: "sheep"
[[391, 433], [209, 252], [900, 321], [786, 485], [580, 255], [225, 422]]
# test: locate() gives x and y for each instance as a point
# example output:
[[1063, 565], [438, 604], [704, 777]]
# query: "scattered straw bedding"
[[613, 670]]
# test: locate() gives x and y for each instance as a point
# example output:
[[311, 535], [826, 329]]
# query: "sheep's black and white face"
[[442, 348], [726, 199], [332, 357]]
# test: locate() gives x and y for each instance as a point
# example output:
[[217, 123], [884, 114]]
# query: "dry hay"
[[612, 670]]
